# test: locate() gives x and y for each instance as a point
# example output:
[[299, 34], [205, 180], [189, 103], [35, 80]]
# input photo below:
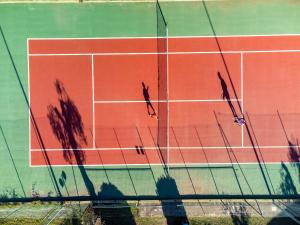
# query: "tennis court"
[[104, 77], [136, 101]]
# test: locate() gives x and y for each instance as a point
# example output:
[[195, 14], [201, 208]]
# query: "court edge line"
[[93, 103], [164, 101], [171, 37], [175, 36], [169, 53], [242, 93], [155, 148], [28, 88], [203, 165]]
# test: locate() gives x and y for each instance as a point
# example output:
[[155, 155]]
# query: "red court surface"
[[103, 100]]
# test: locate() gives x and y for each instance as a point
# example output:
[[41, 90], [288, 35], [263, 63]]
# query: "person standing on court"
[[225, 95], [148, 102]]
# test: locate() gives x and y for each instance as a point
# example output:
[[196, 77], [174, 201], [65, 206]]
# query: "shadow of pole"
[[259, 150], [294, 150], [12, 159], [33, 121], [186, 168], [208, 163], [145, 152], [100, 157], [287, 186], [221, 53], [75, 180], [209, 167], [165, 169], [124, 159], [230, 150], [235, 93]]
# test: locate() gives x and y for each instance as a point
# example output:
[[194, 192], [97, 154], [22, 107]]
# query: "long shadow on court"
[[33, 120], [68, 128], [235, 94], [13, 161], [294, 150], [235, 163], [150, 108], [113, 213], [287, 185], [226, 95], [219, 48], [173, 211]]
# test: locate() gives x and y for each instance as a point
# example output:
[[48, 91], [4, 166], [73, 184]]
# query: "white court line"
[[175, 37], [164, 101], [229, 165], [184, 147], [93, 107], [29, 113], [242, 92], [169, 53]]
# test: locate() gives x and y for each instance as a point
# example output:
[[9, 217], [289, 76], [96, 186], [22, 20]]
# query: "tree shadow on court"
[[33, 121], [289, 210], [287, 185], [62, 181], [113, 213], [68, 128], [174, 211], [294, 150]]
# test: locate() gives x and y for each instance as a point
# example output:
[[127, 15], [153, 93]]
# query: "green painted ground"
[[22, 21]]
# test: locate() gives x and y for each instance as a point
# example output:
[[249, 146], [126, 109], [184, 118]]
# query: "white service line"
[[184, 165], [184, 147], [175, 37], [164, 101], [169, 53]]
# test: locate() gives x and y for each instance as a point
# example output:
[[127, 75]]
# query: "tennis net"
[[162, 67]]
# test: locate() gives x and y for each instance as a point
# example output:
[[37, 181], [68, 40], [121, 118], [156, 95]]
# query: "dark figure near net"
[[225, 95], [150, 108]]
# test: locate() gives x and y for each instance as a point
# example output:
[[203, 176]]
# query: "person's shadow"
[[226, 95], [150, 108]]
